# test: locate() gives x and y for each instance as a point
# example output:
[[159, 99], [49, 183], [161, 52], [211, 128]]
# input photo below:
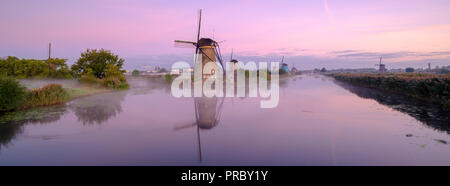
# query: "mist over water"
[[317, 122], [39, 83]]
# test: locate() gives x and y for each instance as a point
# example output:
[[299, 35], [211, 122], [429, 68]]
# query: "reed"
[[51, 94]]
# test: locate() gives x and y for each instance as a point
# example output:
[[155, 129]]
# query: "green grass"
[[75, 92]]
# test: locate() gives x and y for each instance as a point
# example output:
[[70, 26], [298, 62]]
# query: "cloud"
[[328, 11], [344, 51], [365, 54]]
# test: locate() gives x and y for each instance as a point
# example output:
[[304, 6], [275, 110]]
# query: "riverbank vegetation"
[[33, 68], [12, 93], [94, 66], [96, 70], [430, 87], [14, 96], [100, 67]]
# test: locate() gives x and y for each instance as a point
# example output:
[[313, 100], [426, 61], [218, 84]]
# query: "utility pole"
[[49, 50]]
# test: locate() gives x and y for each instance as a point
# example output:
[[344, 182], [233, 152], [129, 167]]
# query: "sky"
[[309, 33]]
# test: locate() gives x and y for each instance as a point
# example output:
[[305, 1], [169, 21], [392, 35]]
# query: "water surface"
[[318, 122]]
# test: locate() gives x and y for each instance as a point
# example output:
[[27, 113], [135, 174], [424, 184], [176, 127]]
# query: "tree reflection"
[[12, 123], [98, 109]]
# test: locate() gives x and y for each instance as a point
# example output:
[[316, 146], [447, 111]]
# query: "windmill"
[[382, 67], [207, 109], [206, 47], [234, 62], [284, 66], [294, 70]]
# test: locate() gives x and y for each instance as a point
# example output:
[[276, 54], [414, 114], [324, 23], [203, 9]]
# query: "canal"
[[318, 122]]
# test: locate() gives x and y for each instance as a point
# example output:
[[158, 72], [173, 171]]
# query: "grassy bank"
[[430, 87], [14, 96]]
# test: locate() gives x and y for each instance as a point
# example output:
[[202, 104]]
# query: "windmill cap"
[[206, 42]]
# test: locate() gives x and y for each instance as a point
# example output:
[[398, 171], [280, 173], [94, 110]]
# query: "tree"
[[114, 78], [135, 73], [323, 70], [12, 94], [162, 70], [56, 68], [409, 69], [28, 68], [97, 61]]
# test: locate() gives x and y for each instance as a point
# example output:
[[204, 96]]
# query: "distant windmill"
[[382, 67], [294, 70], [234, 61], [284, 66]]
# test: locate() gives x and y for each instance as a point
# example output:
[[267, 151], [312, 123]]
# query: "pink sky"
[[329, 33]]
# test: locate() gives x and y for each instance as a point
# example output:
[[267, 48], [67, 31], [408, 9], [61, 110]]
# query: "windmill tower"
[[207, 48], [381, 67], [207, 109]]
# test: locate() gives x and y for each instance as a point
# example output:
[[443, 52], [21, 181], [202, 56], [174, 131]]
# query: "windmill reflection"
[[208, 112]]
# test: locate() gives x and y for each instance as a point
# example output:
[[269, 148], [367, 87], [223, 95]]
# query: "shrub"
[[12, 94], [135, 73], [409, 69], [7, 66], [57, 68], [115, 78], [89, 78], [163, 70], [51, 94], [168, 77]]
